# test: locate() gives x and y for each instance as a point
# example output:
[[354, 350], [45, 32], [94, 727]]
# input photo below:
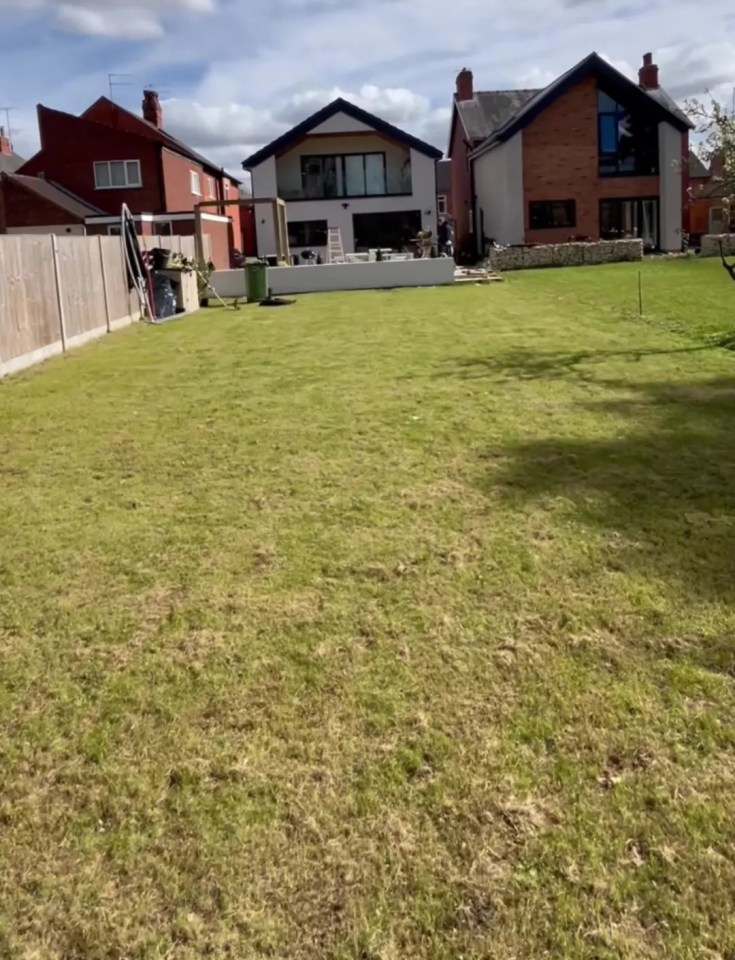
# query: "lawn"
[[384, 626]]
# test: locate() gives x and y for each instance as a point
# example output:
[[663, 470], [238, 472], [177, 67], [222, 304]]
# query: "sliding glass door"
[[630, 219]]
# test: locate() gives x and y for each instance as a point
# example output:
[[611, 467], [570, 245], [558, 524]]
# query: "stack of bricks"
[[566, 254]]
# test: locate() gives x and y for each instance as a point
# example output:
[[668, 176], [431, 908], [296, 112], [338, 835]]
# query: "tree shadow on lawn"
[[528, 364], [663, 491]]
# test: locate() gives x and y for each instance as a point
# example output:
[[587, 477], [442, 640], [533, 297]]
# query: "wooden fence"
[[58, 292]]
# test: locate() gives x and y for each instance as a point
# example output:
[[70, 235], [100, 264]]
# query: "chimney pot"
[[465, 85], [648, 73], [152, 108], [6, 147]]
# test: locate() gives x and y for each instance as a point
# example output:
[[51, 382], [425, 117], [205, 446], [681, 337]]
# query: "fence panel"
[[30, 327], [81, 288], [121, 306]]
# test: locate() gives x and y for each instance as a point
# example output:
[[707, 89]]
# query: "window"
[[210, 189], [441, 205], [196, 186], [114, 231], [548, 214], [117, 174], [628, 142], [626, 219], [307, 233], [344, 175], [163, 228], [226, 188]]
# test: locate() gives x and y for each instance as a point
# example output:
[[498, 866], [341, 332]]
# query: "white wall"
[[264, 185], [340, 123], [670, 162], [288, 166], [63, 230], [499, 191], [286, 173], [342, 276]]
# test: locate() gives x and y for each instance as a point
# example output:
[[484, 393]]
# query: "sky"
[[234, 74]]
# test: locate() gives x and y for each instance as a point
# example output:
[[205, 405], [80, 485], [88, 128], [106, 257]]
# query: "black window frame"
[[619, 201], [535, 208], [340, 158], [640, 125], [311, 236]]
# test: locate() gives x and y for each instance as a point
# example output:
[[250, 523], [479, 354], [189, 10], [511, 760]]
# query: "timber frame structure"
[[278, 209]]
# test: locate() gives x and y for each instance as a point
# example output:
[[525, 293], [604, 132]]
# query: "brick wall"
[[22, 208], [461, 192], [177, 182], [70, 147], [560, 163]]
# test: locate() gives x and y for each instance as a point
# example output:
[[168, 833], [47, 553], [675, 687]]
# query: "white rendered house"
[[344, 167]]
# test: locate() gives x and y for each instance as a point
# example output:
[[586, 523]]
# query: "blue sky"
[[235, 73]]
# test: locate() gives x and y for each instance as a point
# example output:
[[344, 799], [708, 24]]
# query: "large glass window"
[[307, 233], [343, 175], [628, 141], [547, 214], [630, 219]]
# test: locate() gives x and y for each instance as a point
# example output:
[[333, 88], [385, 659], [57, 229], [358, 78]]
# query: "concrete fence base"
[[565, 254], [342, 276]]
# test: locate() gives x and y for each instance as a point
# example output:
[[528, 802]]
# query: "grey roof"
[[53, 193], [697, 168], [10, 164], [665, 106], [668, 103], [443, 177], [490, 109]]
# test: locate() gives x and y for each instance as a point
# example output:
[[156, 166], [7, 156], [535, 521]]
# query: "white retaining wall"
[[565, 254], [342, 276], [711, 244]]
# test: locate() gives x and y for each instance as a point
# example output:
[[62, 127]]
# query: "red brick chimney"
[[152, 108], [648, 74], [6, 147], [465, 85]]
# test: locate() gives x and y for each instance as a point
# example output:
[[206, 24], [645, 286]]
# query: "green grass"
[[386, 626]]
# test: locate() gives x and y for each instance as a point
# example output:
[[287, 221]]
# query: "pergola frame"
[[278, 208]]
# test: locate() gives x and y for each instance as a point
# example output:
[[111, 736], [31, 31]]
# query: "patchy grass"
[[389, 625]]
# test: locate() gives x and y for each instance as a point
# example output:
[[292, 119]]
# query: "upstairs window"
[[628, 142], [117, 174], [210, 189], [551, 214], [343, 175], [196, 186]]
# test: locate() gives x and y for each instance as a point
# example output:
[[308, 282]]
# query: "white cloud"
[[121, 19], [241, 72]]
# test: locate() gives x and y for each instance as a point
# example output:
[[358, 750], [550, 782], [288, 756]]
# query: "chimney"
[[465, 87], [6, 147], [648, 74], [152, 108]]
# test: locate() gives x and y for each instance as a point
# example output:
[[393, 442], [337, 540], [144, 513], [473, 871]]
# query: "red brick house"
[[109, 156], [592, 155]]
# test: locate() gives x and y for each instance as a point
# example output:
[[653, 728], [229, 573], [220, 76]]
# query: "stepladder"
[[335, 250]]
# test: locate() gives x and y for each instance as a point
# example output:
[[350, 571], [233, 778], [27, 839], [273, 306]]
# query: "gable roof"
[[697, 167], [340, 105], [55, 194], [161, 136], [490, 109], [657, 102]]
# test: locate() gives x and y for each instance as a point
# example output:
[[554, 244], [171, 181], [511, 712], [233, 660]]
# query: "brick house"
[[592, 155], [109, 156]]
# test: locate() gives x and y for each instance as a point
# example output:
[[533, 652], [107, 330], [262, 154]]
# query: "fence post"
[[104, 282], [59, 298]]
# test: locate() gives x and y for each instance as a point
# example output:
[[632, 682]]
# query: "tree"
[[717, 129]]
